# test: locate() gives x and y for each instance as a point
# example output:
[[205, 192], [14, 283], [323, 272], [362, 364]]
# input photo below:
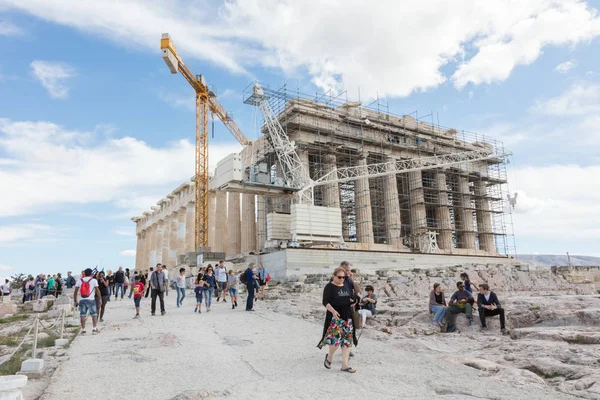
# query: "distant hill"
[[558, 259]]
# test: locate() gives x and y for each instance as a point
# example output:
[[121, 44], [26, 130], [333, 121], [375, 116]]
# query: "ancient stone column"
[[220, 221], [364, 219], [392, 209], [465, 228], [484, 218], [165, 242], [190, 228], [152, 244], [181, 216], [261, 222], [442, 214], [418, 216], [159, 234], [138, 252], [248, 235], [233, 225], [173, 231], [331, 192], [211, 220], [145, 249]]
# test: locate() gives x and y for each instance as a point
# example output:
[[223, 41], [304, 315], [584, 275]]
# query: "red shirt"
[[138, 289]]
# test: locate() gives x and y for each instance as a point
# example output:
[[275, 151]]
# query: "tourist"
[[111, 282], [465, 278], [148, 281], [167, 282], [158, 283], [460, 302], [368, 305], [70, 281], [199, 290], [437, 304], [210, 285], [132, 281], [338, 330], [30, 289], [60, 284], [180, 285], [119, 283], [104, 293], [127, 280], [221, 275], [251, 278], [138, 291], [5, 288], [232, 287], [489, 305], [262, 280], [87, 286], [50, 285]]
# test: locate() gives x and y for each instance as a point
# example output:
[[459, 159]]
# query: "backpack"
[[85, 289], [244, 277]]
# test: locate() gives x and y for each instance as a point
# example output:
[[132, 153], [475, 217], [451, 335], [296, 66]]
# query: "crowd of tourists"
[[45, 284]]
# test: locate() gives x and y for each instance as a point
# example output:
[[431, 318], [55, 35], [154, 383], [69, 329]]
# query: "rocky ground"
[[552, 352]]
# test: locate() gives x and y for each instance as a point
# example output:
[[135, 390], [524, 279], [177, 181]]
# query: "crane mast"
[[206, 101]]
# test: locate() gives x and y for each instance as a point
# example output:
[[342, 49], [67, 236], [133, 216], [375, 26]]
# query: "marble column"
[[165, 241], [331, 192], [484, 218], [152, 244], [173, 231], [465, 226], [211, 220], [159, 235], [181, 215], [233, 225], [261, 222], [138, 252], [248, 235], [190, 228], [442, 214], [364, 218], [392, 209], [145, 249], [418, 216], [220, 221]]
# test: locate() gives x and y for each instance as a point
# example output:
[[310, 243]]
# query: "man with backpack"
[[158, 283], [248, 278], [70, 282], [120, 283], [87, 287]]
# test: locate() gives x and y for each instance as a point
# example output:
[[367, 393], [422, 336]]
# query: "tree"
[[17, 281]]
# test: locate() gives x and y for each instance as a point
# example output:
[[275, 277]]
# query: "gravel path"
[[260, 355]]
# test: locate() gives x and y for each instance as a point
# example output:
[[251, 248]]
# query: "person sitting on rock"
[[368, 304], [489, 305], [460, 302], [437, 304]]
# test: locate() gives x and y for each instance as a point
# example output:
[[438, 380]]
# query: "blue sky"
[[94, 129]]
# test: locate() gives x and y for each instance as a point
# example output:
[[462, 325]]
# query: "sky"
[[94, 129]]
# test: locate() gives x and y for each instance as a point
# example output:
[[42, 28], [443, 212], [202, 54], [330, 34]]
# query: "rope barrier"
[[9, 356]]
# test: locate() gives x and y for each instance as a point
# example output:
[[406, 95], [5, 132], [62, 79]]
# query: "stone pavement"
[[260, 355]]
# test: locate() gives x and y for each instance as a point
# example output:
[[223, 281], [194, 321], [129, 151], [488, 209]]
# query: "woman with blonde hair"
[[338, 329]]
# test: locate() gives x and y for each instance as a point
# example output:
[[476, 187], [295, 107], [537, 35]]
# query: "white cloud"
[[7, 28], [54, 77], [564, 67], [126, 231], [5, 268], [127, 253], [565, 205], [489, 39], [186, 101], [71, 167], [471, 94], [581, 98], [19, 233]]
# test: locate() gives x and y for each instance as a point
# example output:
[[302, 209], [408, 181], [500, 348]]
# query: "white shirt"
[[93, 285], [181, 281], [5, 288], [221, 274], [166, 273], [487, 296]]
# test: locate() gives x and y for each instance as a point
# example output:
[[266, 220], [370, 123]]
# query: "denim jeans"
[[440, 312], [117, 286], [180, 295], [208, 297], [250, 299]]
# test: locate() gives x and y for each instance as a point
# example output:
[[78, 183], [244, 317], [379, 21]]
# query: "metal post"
[[62, 327], [35, 337]]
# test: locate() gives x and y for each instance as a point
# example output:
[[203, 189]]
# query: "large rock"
[[7, 309], [44, 304]]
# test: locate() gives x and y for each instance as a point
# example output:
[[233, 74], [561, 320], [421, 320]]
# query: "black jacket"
[[493, 300], [120, 277]]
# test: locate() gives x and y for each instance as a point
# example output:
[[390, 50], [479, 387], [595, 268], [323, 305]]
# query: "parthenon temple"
[[450, 210]]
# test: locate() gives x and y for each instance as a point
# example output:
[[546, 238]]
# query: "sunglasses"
[[340, 276]]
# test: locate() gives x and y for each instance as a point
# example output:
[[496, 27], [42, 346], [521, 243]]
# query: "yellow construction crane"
[[205, 101]]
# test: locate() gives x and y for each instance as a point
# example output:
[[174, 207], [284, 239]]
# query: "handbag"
[[356, 320], [268, 278]]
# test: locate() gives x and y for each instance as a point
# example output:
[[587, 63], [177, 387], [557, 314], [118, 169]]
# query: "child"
[[138, 291], [198, 290], [232, 286], [465, 277]]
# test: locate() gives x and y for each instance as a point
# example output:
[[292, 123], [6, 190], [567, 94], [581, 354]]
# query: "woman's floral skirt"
[[339, 333]]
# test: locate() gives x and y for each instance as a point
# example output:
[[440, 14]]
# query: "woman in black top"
[[111, 282], [339, 330], [104, 292]]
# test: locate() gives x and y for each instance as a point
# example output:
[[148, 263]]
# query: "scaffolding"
[[459, 207]]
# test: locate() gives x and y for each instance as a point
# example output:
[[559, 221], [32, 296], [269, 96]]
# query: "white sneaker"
[[95, 331]]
